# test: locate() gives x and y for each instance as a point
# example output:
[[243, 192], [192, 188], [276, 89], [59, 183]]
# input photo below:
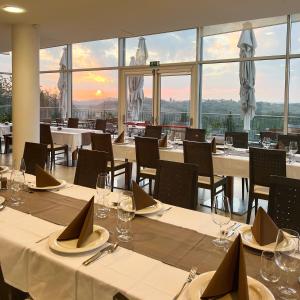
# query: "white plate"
[[98, 238], [250, 241], [5, 169], [125, 143], [219, 152], [151, 209], [32, 185], [257, 291], [166, 148], [2, 200]]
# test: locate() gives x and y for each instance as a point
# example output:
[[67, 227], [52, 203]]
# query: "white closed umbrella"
[[63, 84], [247, 45]]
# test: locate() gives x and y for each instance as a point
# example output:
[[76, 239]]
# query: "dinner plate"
[[4, 169], [98, 238], [32, 186], [166, 148], [219, 152], [257, 291], [2, 200], [151, 209], [249, 240]]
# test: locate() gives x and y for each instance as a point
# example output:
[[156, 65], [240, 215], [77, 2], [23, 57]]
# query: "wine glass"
[[287, 243], [221, 215], [293, 149], [126, 212], [228, 144], [208, 137], [269, 271], [15, 186], [266, 142], [103, 190], [23, 169]]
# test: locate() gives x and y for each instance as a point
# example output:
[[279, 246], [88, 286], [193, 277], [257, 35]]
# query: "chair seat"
[[206, 180], [148, 171], [57, 147], [262, 190], [117, 163]]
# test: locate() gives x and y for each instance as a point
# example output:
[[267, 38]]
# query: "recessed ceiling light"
[[13, 9]]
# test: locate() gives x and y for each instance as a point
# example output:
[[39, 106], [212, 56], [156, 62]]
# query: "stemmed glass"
[[266, 142], [23, 169], [103, 190], [126, 212], [293, 149], [287, 243], [228, 144], [221, 215], [16, 185]]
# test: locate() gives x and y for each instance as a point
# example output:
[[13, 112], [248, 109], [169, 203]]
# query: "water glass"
[[269, 271], [16, 185], [228, 144], [103, 191], [266, 142], [287, 243], [221, 215], [293, 149], [126, 212], [23, 169]]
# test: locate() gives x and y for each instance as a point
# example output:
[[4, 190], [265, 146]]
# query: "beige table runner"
[[170, 244]]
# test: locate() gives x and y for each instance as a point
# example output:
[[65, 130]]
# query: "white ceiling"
[[69, 21]]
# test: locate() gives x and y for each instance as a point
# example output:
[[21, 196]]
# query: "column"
[[25, 87]]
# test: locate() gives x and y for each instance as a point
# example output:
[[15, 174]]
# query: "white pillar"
[[25, 87]]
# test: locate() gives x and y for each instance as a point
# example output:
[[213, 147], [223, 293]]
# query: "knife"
[[97, 255]]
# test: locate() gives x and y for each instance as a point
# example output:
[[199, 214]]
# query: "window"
[[95, 94], [50, 58], [295, 37], [294, 101], [96, 54], [5, 98], [5, 62], [171, 47]]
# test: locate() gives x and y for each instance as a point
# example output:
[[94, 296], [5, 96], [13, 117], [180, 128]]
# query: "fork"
[[162, 212], [192, 275]]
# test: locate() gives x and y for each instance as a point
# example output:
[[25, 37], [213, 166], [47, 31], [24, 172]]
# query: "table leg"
[[229, 189], [74, 157]]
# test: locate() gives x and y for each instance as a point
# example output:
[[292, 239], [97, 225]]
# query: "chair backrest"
[[284, 202], [146, 152], [270, 134], [45, 135], [34, 154], [73, 122], [240, 139], [100, 125], [199, 154], [153, 131], [284, 140], [90, 163], [59, 122], [263, 163], [195, 134], [102, 142], [176, 184]]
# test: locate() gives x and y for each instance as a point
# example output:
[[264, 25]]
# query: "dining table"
[[154, 265]]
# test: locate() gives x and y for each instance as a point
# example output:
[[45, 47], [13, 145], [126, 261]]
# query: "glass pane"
[[270, 41], [5, 98], [294, 102], [95, 94], [175, 100], [5, 62], [50, 98], [50, 58], [96, 54], [139, 98], [295, 37], [171, 47], [221, 107]]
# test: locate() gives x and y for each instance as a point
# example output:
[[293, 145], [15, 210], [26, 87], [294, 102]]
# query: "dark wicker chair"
[[73, 122], [195, 134], [270, 134], [176, 184], [102, 142], [240, 140], [59, 122], [34, 154], [153, 131], [100, 125], [90, 163], [147, 157], [284, 141], [53, 149], [262, 164], [200, 154], [284, 202]]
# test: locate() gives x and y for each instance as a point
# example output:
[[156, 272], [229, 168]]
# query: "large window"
[[5, 62], [50, 58], [5, 98], [294, 103]]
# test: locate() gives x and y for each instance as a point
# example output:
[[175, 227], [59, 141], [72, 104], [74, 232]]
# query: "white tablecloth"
[[4, 129]]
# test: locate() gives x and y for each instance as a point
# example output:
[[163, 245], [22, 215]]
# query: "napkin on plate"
[[163, 143], [141, 198], [214, 145], [231, 276], [120, 138], [264, 230], [81, 227], [43, 178]]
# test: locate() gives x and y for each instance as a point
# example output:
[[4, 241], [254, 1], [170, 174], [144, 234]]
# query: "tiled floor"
[[67, 173]]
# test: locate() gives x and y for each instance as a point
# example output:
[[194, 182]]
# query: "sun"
[[98, 93]]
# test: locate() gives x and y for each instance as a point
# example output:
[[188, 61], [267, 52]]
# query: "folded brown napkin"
[[163, 142], [81, 227], [231, 276], [120, 138], [43, 178], [140, 197], [214, 145], [264, 230]]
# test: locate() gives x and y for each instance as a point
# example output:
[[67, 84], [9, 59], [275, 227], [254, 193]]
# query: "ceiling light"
[[13, 9]]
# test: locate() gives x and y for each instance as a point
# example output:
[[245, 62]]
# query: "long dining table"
[[153, 266]]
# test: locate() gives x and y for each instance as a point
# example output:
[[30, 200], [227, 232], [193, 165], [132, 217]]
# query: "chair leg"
[[212, 197], [150, 186], [256, 205], [247, 187], [67, 155], [243, 188], [112, 180], [250, 203], [128, 173]]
